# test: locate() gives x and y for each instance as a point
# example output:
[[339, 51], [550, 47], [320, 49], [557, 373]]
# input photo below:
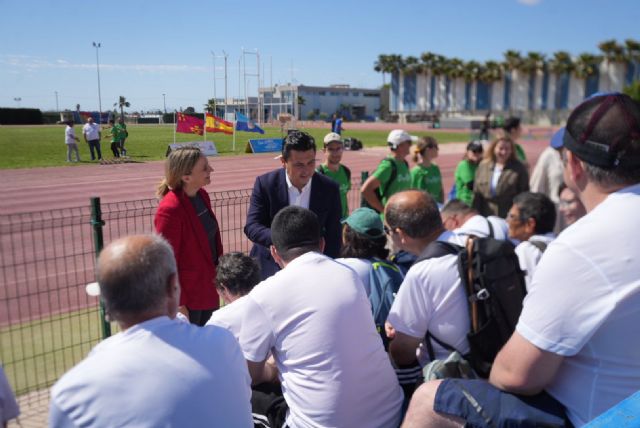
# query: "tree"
[[633, 90], [491, 72], [301, 101], [455, 70], [411, 65], [210, 106], [613, 53], [561, 63], [471, 71], [189, 110], [586, 65], [632, 49], [122, 103]]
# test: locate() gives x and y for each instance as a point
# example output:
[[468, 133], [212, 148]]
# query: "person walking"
[[71, 141]]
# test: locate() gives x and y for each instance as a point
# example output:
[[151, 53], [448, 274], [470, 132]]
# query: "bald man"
[[156, 371]]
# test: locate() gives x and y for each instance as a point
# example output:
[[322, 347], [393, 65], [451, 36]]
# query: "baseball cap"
[[366, 222], [92, 289], [556, 139], [399, 136], [332, 137], [601, 131], [475, 146]]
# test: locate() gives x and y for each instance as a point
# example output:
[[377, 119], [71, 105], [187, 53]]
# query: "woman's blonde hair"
[[179, 163], [490, 155], [421, 147]]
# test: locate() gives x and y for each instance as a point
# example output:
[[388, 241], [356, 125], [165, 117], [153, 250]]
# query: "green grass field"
[[39, 146]]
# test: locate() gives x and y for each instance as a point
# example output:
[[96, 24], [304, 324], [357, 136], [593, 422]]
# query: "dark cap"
[[604, 131]]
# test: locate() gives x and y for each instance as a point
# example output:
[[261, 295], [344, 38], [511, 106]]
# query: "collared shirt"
[[91, 131], [296, 197]]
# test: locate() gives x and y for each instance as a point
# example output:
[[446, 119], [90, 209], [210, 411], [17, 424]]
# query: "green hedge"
[[20, 116]]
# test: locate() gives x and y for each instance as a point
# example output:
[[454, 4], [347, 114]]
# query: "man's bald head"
[[135, 274], [413, 211]]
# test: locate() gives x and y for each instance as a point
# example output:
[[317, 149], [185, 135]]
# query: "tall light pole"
[[97, 46], [164, 103], [57, 108], [17, 100]]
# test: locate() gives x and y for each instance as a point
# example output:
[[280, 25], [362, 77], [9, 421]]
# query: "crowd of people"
[[296, 343]]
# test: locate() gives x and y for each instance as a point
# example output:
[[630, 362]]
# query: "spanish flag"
[[215, 124]]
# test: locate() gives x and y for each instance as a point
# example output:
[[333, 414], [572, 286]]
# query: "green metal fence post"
[[363, 177], [97, 223]]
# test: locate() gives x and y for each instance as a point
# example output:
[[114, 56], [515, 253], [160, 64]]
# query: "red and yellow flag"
[[215, 124], [189, 124]]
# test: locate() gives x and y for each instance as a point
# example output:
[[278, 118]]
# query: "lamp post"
[[17, 100], [57, 108], [97, 46], [164, 103]]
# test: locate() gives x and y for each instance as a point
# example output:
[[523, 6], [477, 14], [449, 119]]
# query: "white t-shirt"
[[547, 176], [69, 135], [584, 304], [230, 316], [529, 255], [91, 131], [477, 226], [316, 318], [362, 268], [160, 372], [8, 405], [431, 298]]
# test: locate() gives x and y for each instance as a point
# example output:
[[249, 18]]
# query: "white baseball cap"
[[93, 289], [332, 137], [399, 136]]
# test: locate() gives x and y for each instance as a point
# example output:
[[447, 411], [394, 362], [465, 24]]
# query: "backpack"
[[322, 169], [380, 191], [351, 143], [495, 287], [540, 245], [384, 282]]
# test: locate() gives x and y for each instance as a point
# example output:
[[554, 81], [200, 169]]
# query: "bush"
[[311, 115], [633, 90], [20, 116]]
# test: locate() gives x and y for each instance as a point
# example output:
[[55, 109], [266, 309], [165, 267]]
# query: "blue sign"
[[265, 145]]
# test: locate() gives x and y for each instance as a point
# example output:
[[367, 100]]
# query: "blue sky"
[[155, 47]]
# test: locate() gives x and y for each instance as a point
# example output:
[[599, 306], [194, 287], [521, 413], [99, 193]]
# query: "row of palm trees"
[[561, 62]]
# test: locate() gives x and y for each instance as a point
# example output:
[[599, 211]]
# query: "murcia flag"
[[189, 124], [243, 123], [215, 124]]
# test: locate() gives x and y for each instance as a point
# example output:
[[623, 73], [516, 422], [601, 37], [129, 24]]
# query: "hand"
[[389, 330], [184, 311]]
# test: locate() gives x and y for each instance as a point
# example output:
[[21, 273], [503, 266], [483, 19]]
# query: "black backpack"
[[381, 190], [495, 286]]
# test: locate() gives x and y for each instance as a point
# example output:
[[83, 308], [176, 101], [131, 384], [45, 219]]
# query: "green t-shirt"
[[520, 154], [428, 178], [383, 173], [117, 133], [464, 176], [340, 176]]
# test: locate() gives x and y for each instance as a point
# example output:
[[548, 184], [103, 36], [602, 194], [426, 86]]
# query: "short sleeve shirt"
[[340, 176], [428, 178], [402, 180]]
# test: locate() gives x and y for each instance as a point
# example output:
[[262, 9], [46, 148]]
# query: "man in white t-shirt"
[[464, 221], [92, 134], [531, 220], [315, 318], [157, 371], [431, 297], [576, 337], [71, 141]]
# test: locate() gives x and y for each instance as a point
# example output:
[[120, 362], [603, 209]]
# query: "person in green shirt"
[[513, 131], [114, 133], [466, 171], [426, 174], [392, 174], [334, 169]]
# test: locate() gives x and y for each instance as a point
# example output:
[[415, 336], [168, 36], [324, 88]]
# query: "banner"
[[215, 124], [189, 124], [243, 123], [208, 148], [264, 145]]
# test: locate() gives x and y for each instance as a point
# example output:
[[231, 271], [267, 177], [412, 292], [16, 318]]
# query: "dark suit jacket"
[[270, 195], [177, 221], [513, 180]]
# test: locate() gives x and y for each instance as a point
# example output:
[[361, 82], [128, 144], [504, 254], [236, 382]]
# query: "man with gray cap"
[[334, 169], [392, 174], [576, 336], [156, 371]]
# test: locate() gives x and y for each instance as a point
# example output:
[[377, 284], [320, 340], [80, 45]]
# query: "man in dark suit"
[[294, 184]]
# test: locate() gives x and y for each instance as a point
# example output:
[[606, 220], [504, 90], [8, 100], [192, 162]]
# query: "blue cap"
[[556, 140]]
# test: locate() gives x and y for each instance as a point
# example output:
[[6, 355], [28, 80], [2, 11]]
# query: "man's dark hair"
[[456, 206], [299, 141], [539, 207], [238, 273], [511, 123], [419, 219], [295, 231], [604, 132], [360, 246]]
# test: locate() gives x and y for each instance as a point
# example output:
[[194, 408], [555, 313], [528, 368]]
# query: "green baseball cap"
[[366, 222]]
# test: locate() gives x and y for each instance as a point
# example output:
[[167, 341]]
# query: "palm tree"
[[122, 103], [383, 65], [632, 48], [613, 52], [561, 64], [586, 65], [411, 65], [512, 63], [532, 64], [455, 70], [210, 106]]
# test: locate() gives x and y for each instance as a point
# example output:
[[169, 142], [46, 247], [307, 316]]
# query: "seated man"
[[576, 337], [315, 317], [431, 297], [464, 221], [156, 371], [236, 276], [531, 221]]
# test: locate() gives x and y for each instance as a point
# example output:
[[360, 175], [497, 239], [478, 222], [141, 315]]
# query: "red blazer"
[[177, 221]]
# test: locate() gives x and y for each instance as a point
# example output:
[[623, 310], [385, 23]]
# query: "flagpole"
[[204, 133], [234, 132], [175, 125]]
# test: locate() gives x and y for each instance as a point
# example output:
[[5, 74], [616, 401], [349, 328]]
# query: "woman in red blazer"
[[185, 219]]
